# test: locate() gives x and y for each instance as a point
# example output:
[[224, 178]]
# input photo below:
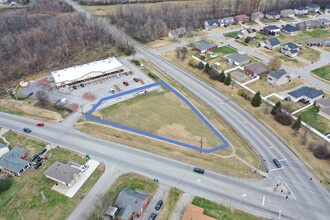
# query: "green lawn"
[[323, 72], [224, 50], [25, 196], [218, 211], [231, 34], [309, 54], [311, 117]]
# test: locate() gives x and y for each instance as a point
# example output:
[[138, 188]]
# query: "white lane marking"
[[244, 122], [271, 147], [243, 195], [279, 214], [263, 200], [198, 180]]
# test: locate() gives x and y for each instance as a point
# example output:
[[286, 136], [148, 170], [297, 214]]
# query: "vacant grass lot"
[[311, 117], [224, 50], [231, 34], [309, 54], [218, 211], [323, 72], [169, 204], [163, 114], [285, 60], [24, 198]]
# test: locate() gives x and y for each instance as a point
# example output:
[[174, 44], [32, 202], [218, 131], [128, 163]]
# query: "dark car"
[[199, 170], [152, 216], [136, 79], [74, 87], [159, 205], [37, 160], [43, 150], [82, 85], [37, 165], [34, 157], [126, 74], [27, 130], [125, 83], [277, 163]]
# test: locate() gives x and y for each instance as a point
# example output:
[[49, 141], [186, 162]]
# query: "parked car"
[[74, 87], [199, 170], [27, 130], [277, 163], [82, 85], [40, 124], [37, 160], [71, 89], [83, 167], [112, 91], [125, 83], [159, 205], [126, 73], [136, 79], [152, 216], [37, 165], [43, 150], [34, 157]]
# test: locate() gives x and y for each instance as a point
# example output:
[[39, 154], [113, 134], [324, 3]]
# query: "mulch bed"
[[89, 96]]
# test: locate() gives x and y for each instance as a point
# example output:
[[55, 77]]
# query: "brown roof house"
[[177, 33], [131, 203], [13, 163], [278, 77], [241, 18], [195, 213], [256, 69], [63, 173], [247, 33], [257, 16], [324, 107]]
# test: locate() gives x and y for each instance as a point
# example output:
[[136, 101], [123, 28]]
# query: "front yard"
[[323, 72], [311, 117]]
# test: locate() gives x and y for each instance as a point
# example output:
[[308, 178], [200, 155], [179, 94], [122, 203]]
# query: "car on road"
[[40, 124], [199, 170], [159, 205], [112, 91], [74, 87], [152, 216], [136, 79], [125, 83], [277, 163], [27, 130]]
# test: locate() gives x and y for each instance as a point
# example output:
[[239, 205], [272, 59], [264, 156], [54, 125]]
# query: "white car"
[[83, 167]]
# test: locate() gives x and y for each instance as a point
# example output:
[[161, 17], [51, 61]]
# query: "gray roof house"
[[306, 93], [256, 69], [307, 25], [319, 42], [322, 23], [131, 203], [177, 33], [287, 13], [290, 29], [301, 10], [238, 59], [12, 162], [211, 24], [257, 16], [278, 77], [273, 15], [247, 32], [63, 173], [290, 49], [324, 107], [271, 43], [226, 21], [313, 7], [271, 29], [205, 46]]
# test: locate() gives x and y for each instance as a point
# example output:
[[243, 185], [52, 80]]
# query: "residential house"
[[327, 9], [63, 173], [288, 13], [270, 43], [241, 19], [313, 7], [278, 77], [319, 42], [305, 93], [238, 59], [177, 33], [323, 105], [290, 49], [226, 21], [205, 47], [271, 30], [211, 24], [301, 11], [131, 203], [290, 29], [13, 163], [257, 16], [322, 23], [273, 15], [3, 149], [256, 69], [193, 212], [307, 25], [247, 33]]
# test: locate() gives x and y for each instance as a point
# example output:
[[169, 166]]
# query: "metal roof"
[[306, 91], [12, 160], [290, 28], [274, 41]]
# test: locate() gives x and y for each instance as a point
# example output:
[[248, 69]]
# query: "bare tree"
[[42, 97], [178, 52], [184, 52], [275, 63]]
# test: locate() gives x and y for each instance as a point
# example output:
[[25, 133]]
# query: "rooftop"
[[291, 46], [212, 22], [205, 45], [274, 41], [62, 172], [271, 27], [278, 74], [306, 91], [324, 102], [257, 68], [272, 13], [240, 58], [193, 212], [312, 6], [12, 160], [290, 28], [301, 8]]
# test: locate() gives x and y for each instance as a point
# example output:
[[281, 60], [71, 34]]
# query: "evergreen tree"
[[200, 66], [222, 76], [227, 80], [277, 108], [296, 125], [256, 100], [207, 68]]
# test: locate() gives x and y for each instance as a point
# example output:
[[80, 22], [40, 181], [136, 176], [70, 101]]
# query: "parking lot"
[[87, 94]]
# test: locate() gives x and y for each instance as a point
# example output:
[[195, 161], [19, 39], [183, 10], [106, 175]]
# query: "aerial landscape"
[[164, 109]]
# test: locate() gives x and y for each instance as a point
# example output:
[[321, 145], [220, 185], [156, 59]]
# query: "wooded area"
[[150, 23], [43, 36]]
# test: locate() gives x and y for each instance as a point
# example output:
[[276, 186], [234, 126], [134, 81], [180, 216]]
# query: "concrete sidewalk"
[[180, 208]]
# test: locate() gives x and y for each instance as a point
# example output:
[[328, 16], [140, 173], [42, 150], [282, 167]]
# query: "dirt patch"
[[74, 107], [117, 88], [88, 96]]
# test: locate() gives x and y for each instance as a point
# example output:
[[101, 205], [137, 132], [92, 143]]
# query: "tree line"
[[151, 23], [42, 36]]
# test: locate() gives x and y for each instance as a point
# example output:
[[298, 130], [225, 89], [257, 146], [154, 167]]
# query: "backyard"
[[285, 60], [311, 117], [323, 72]]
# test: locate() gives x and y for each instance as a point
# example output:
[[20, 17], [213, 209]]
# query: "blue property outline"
[[193, 108]]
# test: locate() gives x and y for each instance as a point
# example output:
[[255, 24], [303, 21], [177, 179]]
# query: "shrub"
[[214, 75], [153, 76], [227, 80], [283, 118], [200, 66], [192, 63], [5, 184], [222, 76], [277, 108], [241, 92], [136, 62], [256, 100], [60, 107]]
